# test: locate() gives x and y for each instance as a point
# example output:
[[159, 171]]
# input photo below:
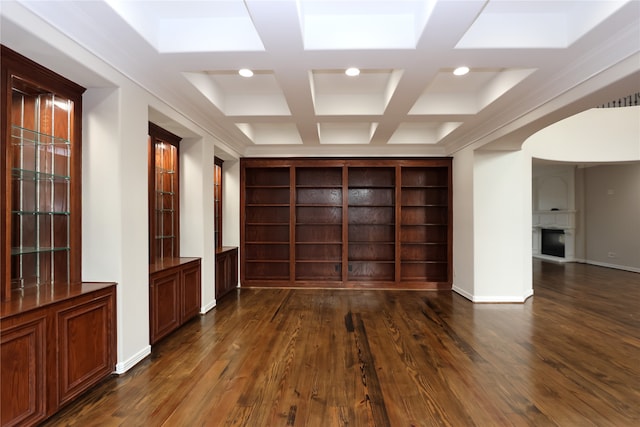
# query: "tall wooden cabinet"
[[57, 334], [226, 256], [346, 223], [174, 281]]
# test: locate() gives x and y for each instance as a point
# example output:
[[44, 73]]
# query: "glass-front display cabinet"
[[41, 176], [57, 334], [164, 197], [217, 200]]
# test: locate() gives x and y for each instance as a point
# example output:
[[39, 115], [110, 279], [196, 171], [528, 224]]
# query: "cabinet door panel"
[[165, 309], [84, 351], [23, 374], [226, 272], [190, 292]]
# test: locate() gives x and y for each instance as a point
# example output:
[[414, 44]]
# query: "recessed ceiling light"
[[245, 72], [461, 71], [352, 72]]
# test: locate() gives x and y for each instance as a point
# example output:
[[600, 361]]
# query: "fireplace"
[[552, 242]]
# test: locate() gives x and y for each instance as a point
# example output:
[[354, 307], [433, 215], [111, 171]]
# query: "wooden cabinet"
[[41, 131], [346, 222], [54, 345], [174, 295], [164, 198], [174, 281], [58, 335], [85, 329], [23, 369], [226, 270], [217, 201]]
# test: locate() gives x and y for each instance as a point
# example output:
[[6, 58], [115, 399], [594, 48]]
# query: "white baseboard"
[[123, 367], [208, 307], [616, 266], [515, 299], [462, 292], [551, 258]]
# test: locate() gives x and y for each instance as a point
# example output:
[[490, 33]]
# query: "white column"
[[115, 240], [197, 212], [502, 226], [492, 225], [463, 224]]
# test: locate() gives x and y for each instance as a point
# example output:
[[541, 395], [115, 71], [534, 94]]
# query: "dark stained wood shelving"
[[58, 334], [174, 281], [346, 223]]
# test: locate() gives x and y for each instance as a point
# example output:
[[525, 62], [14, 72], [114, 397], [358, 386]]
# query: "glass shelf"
[[65, 213], [31, 175], [24, 136], [42, 169], [164, 171], [37, 250]]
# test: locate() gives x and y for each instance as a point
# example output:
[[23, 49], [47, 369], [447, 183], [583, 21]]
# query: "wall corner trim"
[[462, 292], [497, 299], [123, 367], [208, 307]]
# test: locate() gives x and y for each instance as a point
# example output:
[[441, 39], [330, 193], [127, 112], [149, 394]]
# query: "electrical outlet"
[[612, 255]]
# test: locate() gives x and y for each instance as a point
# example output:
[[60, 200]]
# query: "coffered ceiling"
[[527, 59]]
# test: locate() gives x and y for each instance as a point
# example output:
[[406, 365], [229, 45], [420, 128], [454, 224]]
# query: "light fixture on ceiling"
[[352, 71], [461, 71], [245, 72]]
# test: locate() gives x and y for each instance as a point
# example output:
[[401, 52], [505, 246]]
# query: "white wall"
[[612, 215], [554, 187], [596, 135], [606, 224]]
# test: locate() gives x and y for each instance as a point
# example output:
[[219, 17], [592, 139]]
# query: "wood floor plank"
[[568, 356]]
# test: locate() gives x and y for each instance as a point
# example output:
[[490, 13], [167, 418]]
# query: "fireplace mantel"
[[558, 220]]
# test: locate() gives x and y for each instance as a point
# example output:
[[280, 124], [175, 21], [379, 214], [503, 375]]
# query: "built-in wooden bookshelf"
[[266, 215], [346, 223], [424, 224], [318, 223], [371, 223]]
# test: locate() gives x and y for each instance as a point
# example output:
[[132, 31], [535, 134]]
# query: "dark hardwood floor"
[[568, 356]]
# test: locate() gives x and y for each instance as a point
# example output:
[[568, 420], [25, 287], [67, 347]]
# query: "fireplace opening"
[[553, 242]]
